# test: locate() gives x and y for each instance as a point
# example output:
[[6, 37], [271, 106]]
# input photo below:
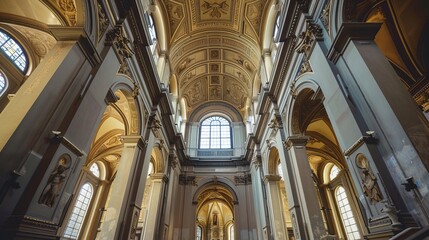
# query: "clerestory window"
[[215, 133]]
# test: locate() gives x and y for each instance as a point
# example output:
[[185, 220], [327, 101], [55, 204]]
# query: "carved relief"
[[196, 92], [175, 12], [116, 38], [235, 94], [369, 181], [155, 125], [325, 15], [214, 54], [41, 41], [243, 179], [184, 65], [308, 38], [254, 15], [124, 69], [103, 21], [215, 67], [305, 66], [215, 93], [68, 8], [214, 9], [214, 80], [55, 181]]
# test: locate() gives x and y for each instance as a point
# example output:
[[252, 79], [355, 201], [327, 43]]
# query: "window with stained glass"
[[215, 133], [13, 51], [77, 217]]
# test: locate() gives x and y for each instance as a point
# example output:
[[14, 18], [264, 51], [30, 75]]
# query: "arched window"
[[13, 51], [95, 170], [231, 232], [79, 211], [3, 83], [153, 38], [346, 214], [215, 133], [151, 169], [280, 170], [199, 233], [334, 172], [275, 44]]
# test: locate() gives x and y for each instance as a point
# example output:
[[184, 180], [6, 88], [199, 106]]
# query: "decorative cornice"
[[296, 141], [243, 179], [351, 31]]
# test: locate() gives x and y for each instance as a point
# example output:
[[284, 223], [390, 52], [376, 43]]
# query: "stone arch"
[[222, 181], [301, 85], [273, 161], [159, 158]]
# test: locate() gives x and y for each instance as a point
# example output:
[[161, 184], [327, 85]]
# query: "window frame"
[[21, 48], [210, 133], [88, 207]]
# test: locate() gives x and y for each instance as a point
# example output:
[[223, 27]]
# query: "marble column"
[[305, 188], [278, 227]]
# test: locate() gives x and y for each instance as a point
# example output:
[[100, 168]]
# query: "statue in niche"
[[369, 181], [55, 181]]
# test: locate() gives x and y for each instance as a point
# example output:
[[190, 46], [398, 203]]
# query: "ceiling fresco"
[[215, 49]]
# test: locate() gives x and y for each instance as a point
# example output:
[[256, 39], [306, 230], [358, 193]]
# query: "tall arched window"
[[199, 233], [215, 133], [153, 38], [79, 211], [231, 232], [3, 83], [13, 51], [346, 214]]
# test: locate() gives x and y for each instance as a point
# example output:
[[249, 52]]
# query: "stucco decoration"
[[369, 181], [213, 40], [41, 41]]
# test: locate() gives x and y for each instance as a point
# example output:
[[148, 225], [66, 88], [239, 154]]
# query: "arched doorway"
[[215, 213], [330, 174]]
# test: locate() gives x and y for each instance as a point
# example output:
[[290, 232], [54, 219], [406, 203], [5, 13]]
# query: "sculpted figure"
[[55, 183]]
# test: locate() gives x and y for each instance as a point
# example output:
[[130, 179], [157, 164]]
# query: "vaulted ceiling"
[[215, 49]]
